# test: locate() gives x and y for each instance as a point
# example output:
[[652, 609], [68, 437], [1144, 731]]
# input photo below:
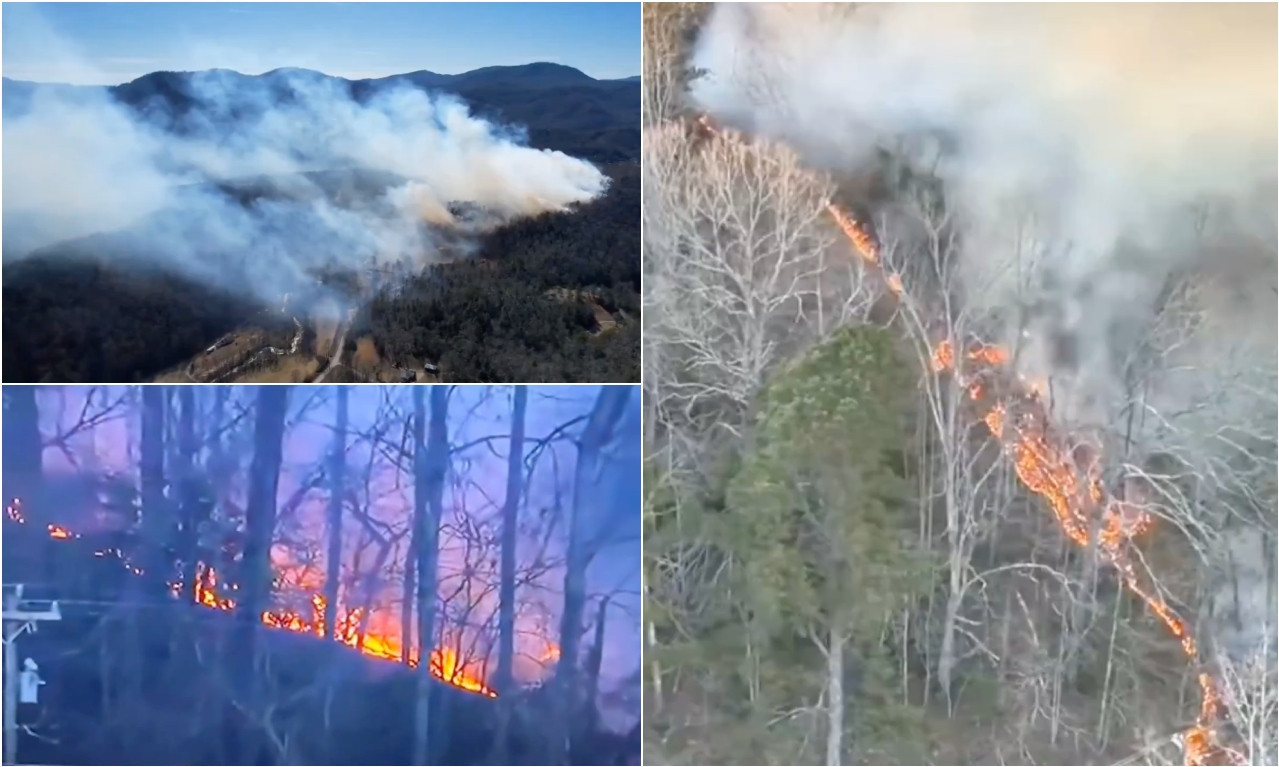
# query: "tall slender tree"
[[156, 519], [510, 526], [22, 443], [430, 465], [188, 486], [337, 491], [264, 478], [608, 409], [505, 681]]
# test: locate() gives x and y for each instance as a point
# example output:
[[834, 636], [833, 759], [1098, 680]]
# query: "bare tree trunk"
[[264, 478], [24, 466], [337, 491], [835, 687], [430, 464], [506, 598], [188, 487], [594, 662], [608, 409], [946, 657], [155, 519], [510, 520], [407, 599]]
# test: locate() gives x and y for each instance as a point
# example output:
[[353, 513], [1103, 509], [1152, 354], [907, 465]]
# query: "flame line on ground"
[[445, 663], [1053, 475]]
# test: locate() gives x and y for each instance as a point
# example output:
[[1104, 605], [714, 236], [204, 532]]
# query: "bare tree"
[[431, 455], [608, 409], [510, 531], [668, 37], [505, 682], [156, 520], [189, 494], [337, 496], [260, 515], [22, 441], [742, 269]]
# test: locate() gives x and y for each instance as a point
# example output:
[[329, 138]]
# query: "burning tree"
[[259, 550], [1079, 525]]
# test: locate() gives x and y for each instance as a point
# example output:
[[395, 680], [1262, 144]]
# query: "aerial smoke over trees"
[[1076, 563]]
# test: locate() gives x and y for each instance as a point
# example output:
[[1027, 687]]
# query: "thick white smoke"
[[1111, 169], [76, 162], [1095, 134]]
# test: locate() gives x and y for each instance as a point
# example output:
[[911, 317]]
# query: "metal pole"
[[10, 694]]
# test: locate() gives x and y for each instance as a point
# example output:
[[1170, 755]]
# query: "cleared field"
[[286, 369]]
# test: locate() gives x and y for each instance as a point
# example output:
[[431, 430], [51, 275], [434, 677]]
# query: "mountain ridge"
[[544, 67], [562, 108]]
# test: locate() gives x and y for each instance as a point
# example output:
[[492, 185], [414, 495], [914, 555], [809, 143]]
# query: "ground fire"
[[446, 663], [1048, 466]]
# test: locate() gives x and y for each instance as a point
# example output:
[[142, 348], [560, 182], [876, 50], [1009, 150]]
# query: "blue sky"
[[110, 43]]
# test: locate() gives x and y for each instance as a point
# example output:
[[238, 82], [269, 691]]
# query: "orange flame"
[[1049, 471], [445, 663], [853, 229]]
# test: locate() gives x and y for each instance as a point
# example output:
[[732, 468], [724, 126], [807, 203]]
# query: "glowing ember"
[[59, 532]]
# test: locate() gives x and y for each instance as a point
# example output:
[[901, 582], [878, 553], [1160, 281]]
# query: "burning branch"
[[1046, 465]]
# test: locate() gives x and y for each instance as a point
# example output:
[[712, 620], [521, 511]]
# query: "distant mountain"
[[562, 107]]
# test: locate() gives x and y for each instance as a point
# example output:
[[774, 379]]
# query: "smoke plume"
[[216, 191], [1094, 158]]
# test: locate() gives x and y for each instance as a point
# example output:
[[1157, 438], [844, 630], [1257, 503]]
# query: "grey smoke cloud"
[[1086, 138], [78, 163]]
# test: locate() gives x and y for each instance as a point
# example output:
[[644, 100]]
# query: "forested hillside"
[[551, 298], [503, 315]]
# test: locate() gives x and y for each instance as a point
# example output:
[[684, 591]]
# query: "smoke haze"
[[1110, 148], [77, 162]]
